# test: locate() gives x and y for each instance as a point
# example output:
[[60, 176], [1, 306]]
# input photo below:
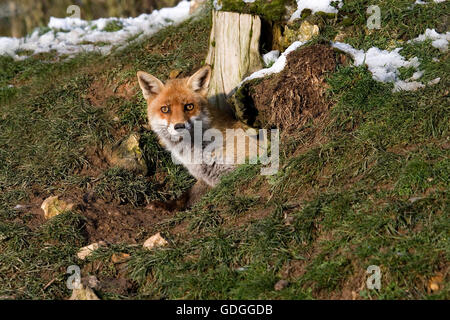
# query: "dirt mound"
[[289, 99], [120, 223]]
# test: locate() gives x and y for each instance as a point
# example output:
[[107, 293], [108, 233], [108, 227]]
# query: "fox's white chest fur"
[[173, 109], [191, 154]]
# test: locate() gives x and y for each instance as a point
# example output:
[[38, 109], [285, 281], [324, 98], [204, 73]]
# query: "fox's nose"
[[179, 126]]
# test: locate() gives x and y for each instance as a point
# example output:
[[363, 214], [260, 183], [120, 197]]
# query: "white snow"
[[315, 6], [384, 65], [73, 35], [439, 40], [278, 65], [217, 5], [424, 2], [270, 57]]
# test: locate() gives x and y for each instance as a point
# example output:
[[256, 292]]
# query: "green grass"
[[113, 25], [48, 131], [375, 192]]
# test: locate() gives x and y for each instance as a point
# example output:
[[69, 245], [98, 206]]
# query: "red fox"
[[185, 123]]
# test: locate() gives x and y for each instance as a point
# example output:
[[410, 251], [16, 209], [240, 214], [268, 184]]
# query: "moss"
[[269, 10], [243, 105]]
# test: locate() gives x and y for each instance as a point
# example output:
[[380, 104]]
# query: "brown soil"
[[120, 223], [300, 89], [297, 94], [104, 221]]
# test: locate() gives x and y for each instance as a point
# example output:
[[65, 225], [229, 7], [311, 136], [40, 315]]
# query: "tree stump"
[[233, 53]]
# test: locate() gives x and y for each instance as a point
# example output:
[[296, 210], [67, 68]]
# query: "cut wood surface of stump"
[[233, 53]]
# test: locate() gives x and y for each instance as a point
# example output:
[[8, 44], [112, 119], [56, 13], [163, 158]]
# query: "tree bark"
[[233, 53]]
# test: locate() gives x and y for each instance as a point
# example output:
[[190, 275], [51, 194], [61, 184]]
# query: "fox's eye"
[[189, 107], [164, 109]]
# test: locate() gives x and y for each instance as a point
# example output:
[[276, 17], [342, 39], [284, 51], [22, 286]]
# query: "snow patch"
[[270, 57], [217, 5], [424, 2], [384, 65], [73, 35], [315, 6], [439, 40], [278, 65]]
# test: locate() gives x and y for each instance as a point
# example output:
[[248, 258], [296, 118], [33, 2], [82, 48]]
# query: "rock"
[[414, 199], [280, 285], [340, 37], [84, 252], [155, 241], [174, 73], [22, 207], [53, 206], [195, 5], [289, 220], [435, 283], [120, 257], [84, 293], [306, 32], [128, 155]]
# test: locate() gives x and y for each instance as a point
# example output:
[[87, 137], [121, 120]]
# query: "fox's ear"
[[149, 84], [199, 81]]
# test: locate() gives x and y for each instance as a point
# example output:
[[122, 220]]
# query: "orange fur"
[[167, 107]]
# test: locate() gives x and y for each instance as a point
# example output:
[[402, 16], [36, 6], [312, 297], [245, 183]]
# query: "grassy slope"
[[342, 200]]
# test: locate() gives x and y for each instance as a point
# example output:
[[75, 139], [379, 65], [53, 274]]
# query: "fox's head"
[[174, 106]]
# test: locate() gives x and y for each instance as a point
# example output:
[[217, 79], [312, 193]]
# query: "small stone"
[[434, 81], [289, 220], [414, 199], [53, 206], [22, 207], [84, 252], [280, 285], [155, 241], [434, 286], [340, 37], [435, 283], [84, 293], [306, 32], [128, 155], [120, 257], [174, 73], [241, 269], [195, 5]]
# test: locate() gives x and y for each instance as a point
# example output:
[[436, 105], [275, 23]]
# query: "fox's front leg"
[[197, 191]]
